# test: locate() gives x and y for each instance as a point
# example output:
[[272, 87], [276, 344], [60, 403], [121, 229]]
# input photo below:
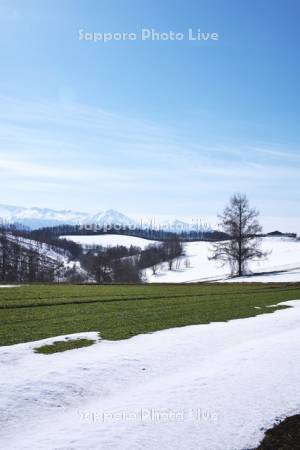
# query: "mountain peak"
[[110, 217]]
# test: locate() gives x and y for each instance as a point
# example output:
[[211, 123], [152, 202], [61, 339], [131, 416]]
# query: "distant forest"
[[42, 256]]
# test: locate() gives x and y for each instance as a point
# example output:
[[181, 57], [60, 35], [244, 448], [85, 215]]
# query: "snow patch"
[[208, 387]]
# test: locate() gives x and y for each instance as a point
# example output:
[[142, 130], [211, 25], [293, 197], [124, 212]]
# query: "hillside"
[[282, 264]]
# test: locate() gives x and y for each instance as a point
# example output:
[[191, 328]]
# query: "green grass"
[[62, 346], [35, 312]]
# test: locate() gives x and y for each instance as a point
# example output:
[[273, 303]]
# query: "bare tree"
[[172, 250], [240, 223]]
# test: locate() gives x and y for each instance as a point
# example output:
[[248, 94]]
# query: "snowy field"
[[110, 240], [208, 387], [282, 264]]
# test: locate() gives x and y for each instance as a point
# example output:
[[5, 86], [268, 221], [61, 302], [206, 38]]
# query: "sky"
[[152, 128]]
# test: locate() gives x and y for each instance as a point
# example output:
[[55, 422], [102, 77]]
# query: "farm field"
[[33, 312]]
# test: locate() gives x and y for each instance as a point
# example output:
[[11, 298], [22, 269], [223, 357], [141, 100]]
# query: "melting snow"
[[208, 387]]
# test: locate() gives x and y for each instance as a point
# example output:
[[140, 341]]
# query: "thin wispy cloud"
[[78, 148]]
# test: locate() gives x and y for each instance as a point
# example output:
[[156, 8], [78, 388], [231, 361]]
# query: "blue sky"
[[166, 129]]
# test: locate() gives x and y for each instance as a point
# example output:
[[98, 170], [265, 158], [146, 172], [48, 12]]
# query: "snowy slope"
[[198, 387], [282, 264], [110, 240], [41, 248], [57, 254], [200, 268]]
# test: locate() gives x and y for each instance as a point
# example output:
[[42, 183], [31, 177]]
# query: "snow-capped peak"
[[110, 217]]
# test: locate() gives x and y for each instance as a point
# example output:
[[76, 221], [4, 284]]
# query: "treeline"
[[24, 263], [146, 233], [46, 236], [123, 265]]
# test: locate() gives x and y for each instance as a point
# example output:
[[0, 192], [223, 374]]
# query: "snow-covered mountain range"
[[44, 217]]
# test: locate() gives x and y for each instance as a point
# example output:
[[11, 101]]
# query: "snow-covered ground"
[[282, 264], [56, 254], [208, 387], [111, 240], [41, 248]]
